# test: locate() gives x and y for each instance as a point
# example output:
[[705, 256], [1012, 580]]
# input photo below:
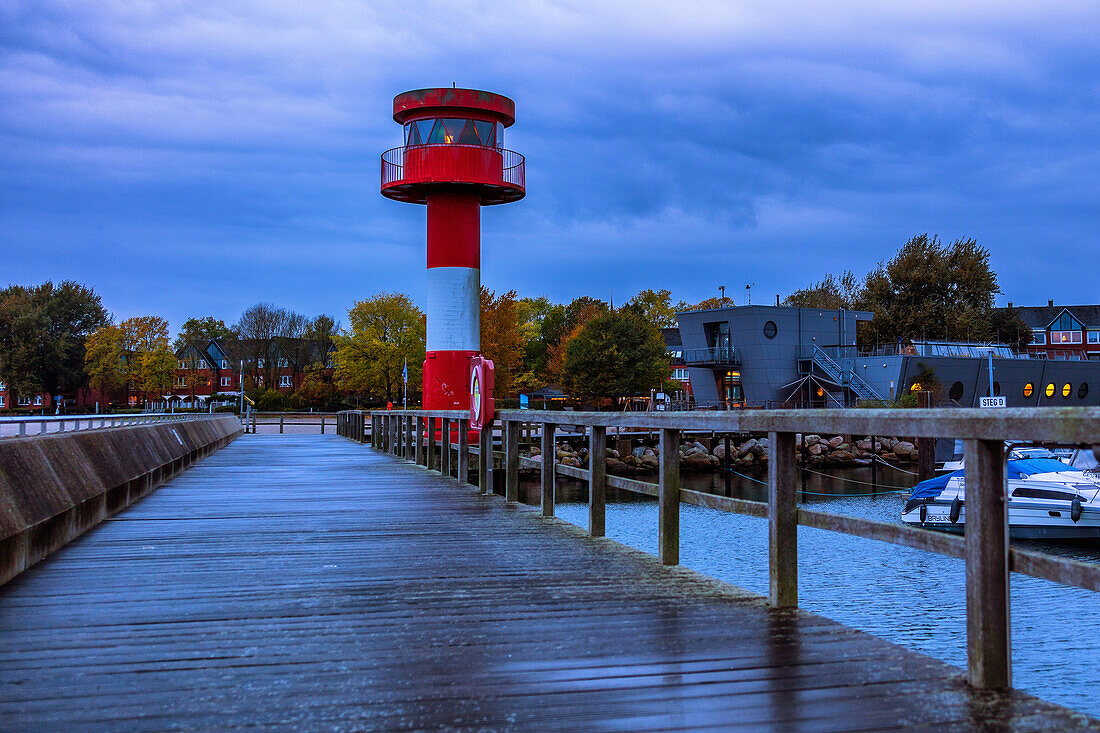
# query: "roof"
[[1041, 316]]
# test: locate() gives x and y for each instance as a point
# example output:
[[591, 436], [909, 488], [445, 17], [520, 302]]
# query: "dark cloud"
[[189, 157]]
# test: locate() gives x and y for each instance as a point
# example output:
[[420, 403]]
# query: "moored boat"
[[1047, 499]]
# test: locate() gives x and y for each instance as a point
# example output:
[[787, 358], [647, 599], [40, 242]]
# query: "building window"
[[38, 400], [1038, 337], [770, 329], [283, 363], [284, 380], [1066, 322], [1029, 389], [3, 387], [681, 375], [996, 389], [1094, 338], [1065, 337], [1067, 389], [183, 365], [1049, 391], [3, 401], [454, 131], [227, 381], [181, 381], [956, 391], [260, 363], [1083, 390]]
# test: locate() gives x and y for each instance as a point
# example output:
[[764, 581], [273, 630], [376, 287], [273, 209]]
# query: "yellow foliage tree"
[[103, 359], [148, 363], [386, 330], [501, 338]]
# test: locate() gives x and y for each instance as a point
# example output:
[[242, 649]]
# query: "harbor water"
[[913, 598]]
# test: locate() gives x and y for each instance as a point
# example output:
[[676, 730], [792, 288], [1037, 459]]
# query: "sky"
[[190, 158]]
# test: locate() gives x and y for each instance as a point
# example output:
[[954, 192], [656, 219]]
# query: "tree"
[[501, 338], [616, 354], [387, 331], [705, 304], [103, 359], [148, 363], [258, 328], [654, 306], [43, 330], [206, 328], [832, 293]]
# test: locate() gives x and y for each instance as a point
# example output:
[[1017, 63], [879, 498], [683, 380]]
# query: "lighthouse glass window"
[[454, 131]]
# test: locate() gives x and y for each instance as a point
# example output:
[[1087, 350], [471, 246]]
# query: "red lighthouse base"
[[447, 380]]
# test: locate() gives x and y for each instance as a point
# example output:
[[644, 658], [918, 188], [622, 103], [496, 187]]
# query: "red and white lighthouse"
[[454, 161]]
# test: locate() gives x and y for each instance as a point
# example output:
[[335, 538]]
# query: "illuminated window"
[[820, 392], [1049, 391], [1067, 389], [1029, 389]]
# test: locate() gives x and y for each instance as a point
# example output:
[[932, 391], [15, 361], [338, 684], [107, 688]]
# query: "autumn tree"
[[103, 359], [43, 329], [148, 362], [705, 305], [654, 306], [616, 354], [258, 329], [501, 338], [386, 331], [832, 292]]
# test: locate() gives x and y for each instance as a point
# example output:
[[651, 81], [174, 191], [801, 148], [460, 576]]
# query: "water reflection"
[[907, 596]]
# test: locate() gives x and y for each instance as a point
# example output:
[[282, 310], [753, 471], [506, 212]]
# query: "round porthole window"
[[770, 329], [1083, 390], [956, 392], [1049, 391], [996, 389], [1067, 389], [1029, 389]]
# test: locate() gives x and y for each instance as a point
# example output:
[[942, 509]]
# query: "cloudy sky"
[[191, 158]]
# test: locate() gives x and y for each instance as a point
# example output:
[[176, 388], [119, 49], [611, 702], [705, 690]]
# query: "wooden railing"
[[984, 546]]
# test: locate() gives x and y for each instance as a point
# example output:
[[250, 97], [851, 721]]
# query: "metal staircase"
[[842, 376]]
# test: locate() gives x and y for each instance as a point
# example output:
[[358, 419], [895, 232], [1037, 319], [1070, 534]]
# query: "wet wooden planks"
[[310, 582]]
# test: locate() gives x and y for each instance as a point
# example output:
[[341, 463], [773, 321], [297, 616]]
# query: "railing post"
[[548, 460], [399, 425], [782, 522], [668, 519], [597, 480], [429, 457], [418, 443], [410, 437], [22, 429], [485, 458], [42, 430], [464, 451], [511, 460], [988, 628], [445, 447]]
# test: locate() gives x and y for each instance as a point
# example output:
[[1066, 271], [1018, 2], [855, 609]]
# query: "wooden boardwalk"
[[308, 582]]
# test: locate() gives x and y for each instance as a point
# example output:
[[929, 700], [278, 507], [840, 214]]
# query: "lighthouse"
[[454, 162]]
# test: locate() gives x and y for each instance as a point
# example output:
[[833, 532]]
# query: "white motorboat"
[[1047, 499]]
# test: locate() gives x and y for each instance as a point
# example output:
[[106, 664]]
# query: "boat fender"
[[923, 513], [1075, 509], [956, 509]]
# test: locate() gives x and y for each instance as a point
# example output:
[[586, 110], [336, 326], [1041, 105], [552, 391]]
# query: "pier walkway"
[[306, 581]]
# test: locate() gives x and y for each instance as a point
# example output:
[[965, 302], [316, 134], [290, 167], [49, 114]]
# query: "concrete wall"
[[53, 488]]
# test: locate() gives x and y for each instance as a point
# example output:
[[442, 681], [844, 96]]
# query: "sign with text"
[[998, 401]]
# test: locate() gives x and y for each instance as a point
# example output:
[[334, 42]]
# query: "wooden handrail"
[[984, 546]]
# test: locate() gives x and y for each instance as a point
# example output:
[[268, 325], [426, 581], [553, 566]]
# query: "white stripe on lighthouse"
[[454, 295]]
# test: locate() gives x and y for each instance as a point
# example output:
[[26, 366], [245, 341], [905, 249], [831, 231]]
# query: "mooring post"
[[668, 516], [485, 458], [464, 451], [548, 458], [597, 480], [429, 450], [988, 627], [445, 447], [281, 418], [926, 458], [782, 522], [322, 424], [874, 464], [511, 460]]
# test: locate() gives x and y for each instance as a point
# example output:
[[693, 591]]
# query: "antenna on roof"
[[748, 293]]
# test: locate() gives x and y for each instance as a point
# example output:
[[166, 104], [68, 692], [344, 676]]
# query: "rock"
[[837, 441], [651, 461], [864, 445], [746, 447], [614, 465], [648, 452], [812, 439], [638, 452], [816, 449], [720, 449], [700, 446], [903, 448], [611, 453], [697, 458], [841, 456]]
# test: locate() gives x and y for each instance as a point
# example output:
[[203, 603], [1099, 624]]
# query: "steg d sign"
[[998, 401], [482, 404]]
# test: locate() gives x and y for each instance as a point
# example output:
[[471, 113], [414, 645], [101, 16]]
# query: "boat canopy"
[[1020, 468]]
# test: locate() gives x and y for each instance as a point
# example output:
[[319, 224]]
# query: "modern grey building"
[[773, 356]]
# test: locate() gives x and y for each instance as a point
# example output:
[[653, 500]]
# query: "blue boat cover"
[[933, 487]]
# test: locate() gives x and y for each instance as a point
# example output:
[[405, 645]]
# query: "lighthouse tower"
[[454, 161]]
